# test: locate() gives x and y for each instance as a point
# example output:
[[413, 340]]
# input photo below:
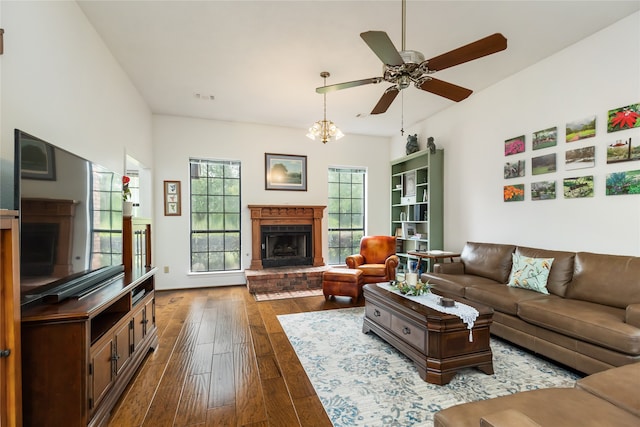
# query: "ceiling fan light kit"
[[401, 68], [324, 130]]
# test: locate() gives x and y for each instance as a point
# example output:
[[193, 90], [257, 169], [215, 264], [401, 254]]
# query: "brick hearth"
[[284, 279]]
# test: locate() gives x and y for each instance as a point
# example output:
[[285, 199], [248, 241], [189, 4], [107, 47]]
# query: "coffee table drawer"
[[379, 315], [409, 333]]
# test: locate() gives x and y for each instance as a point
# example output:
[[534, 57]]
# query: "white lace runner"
[[466, 313]]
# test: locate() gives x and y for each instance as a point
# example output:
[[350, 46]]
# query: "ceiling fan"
[[409, 66]]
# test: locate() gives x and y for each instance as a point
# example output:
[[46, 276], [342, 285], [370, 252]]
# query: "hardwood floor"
[[223, 360]]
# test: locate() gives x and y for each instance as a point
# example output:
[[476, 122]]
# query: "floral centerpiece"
[[406, 289], [126, 191]]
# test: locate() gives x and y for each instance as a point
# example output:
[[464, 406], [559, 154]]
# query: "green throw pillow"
[[530, 273]]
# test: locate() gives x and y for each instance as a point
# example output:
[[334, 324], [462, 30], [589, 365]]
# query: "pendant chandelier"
[[324, 130]]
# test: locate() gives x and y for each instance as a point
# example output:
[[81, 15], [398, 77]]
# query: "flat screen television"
[[70, 222]]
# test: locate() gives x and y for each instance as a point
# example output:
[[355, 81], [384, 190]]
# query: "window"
[[215, 215], [345, 212], [106, 206]]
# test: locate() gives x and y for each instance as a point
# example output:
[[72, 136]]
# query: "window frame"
[[228, 237], [354, 233]]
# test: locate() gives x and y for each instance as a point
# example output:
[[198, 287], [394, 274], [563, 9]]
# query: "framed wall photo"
[[285, 172], [172, 200], [37, 160]]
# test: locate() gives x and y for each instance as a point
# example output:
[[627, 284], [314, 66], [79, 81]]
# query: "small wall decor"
[[514, 145], [581, 129], [514, 169], [37, 160], [172, 202], [580, 158], [543, 164], [622, 151], [543, 190], [545, 138], [412, 144], [623, 118], [513, 193], [619, 183], [578, 187], [285, 172]]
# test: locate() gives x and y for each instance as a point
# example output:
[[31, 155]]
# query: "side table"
[[433, 255]]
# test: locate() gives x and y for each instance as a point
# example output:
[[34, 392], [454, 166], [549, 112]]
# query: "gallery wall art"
[[543, 190], [623, 118], [578, 187], [622, 150], [514, 169], [514, 145], [513, 193], [543, 164], [545, 138], [580, 158], [577, 156], [581, 129], [619, 183]]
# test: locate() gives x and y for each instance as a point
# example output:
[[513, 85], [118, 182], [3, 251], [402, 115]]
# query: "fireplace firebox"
[[286, 245]]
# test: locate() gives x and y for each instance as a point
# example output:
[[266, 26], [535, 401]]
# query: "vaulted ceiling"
[[261, 60]]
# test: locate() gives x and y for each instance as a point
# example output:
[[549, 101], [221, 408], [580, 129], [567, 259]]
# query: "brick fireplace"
[[270, 217], [288, 237]]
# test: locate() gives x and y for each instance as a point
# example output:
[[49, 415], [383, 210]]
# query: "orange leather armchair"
[[377, 259]]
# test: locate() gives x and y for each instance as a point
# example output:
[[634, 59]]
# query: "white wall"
[[591, 77], [60, 83], [176, 139]]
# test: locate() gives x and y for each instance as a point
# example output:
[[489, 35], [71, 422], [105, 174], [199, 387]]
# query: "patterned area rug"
[[267, 296], [363, 381]]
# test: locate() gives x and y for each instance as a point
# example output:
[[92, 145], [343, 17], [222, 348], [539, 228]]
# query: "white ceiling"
[[262, 59]]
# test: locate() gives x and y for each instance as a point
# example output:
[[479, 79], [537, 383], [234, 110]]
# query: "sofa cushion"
[[567, 407], [457, 284], [561, 270], [489, 260], [606, 279], [618, 386], [501, 297], [508, 417], [530, 273], [595, 323]]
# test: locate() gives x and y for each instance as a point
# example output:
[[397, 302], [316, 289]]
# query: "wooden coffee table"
[[437, 343]]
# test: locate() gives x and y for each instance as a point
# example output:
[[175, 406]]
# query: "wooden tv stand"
[[79, 355]]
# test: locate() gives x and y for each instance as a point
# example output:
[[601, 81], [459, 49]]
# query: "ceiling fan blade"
[[483, 47], [385, 100], [381, 45], [345, 85], [447, 90]]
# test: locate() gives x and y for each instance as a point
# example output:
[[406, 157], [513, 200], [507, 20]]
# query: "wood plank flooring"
[[223, 360]]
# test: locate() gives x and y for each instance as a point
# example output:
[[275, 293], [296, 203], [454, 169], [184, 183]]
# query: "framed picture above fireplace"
[[285, 172]]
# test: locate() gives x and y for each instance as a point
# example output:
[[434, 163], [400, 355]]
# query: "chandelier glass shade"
[[324, 130]]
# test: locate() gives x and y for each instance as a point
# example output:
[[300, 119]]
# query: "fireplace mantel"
[[285, 215]]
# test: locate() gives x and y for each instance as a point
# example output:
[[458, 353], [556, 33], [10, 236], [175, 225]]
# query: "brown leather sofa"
[[377, 259], [608, 398], [590, 320]]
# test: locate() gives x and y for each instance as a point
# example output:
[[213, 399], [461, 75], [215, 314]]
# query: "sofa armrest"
[[507, 418], [449, 268], [632, 315], [353, 261]]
